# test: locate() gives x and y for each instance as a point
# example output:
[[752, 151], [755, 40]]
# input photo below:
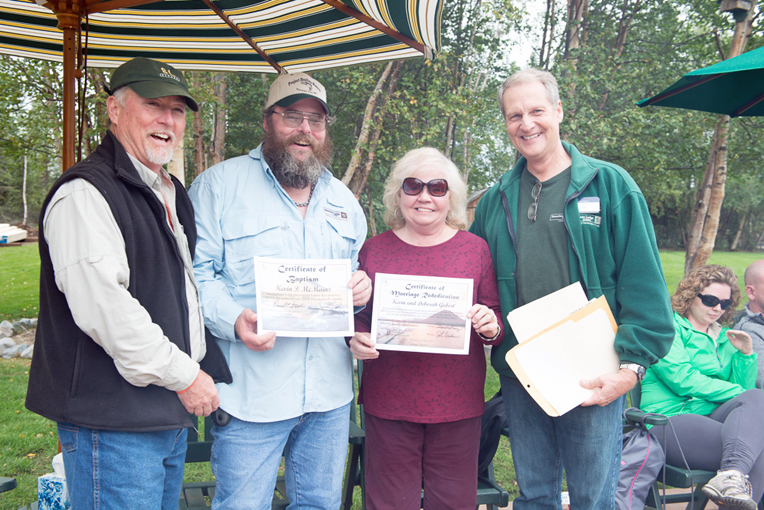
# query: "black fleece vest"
[[72, 379]]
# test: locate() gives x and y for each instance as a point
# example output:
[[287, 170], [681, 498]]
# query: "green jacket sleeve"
[[645, 328], [744, 368]]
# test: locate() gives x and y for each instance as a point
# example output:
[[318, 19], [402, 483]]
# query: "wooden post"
[[68, 23]]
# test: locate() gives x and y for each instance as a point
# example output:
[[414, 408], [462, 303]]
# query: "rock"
[[15, 351], [6, 343], [18, 328], [27, 353], [6, 329], [28, 323]]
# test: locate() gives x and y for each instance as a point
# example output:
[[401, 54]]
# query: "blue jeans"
[[108, 469], [246, 457], [585, 441]]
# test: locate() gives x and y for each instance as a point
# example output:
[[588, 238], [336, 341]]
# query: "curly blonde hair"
[[700, 278], [426, 158]]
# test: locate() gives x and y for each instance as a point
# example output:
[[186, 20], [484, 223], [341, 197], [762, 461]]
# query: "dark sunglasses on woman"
[[711, 301], [436, 187]]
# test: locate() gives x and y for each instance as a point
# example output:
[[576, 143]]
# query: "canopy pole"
[[67, 22]]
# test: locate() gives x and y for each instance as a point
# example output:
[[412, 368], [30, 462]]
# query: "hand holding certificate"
[[421, 314], [304, 297]]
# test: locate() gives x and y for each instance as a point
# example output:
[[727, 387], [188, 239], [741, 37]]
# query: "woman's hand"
[[362, 346], [361, 285], [741, 341], [484, 321]]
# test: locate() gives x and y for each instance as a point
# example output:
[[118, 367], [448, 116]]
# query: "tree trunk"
[[368, 139], [219, 119], [368, 120], [24, 191], [177, 165], [200, 163], [627, 16], [370, 213], [734, 244], [575, 34], [547, 36], [705, 219]]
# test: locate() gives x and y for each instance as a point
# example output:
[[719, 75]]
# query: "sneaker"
[[730, 490]]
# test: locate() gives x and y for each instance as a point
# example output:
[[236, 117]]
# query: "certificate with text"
[[421, 313], [304, 297]]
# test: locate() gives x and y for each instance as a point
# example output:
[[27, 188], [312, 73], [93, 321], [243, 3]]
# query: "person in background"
[[752, 319], [560, 217], [705, 385], [120, 335], [289, 395], [423, 410]]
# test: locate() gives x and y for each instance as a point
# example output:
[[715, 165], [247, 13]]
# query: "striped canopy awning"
[[227, 35]]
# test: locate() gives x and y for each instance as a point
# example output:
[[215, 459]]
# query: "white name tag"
[[589, 205]]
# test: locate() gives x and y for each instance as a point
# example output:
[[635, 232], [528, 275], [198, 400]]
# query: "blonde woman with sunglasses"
[[705, 385], [423, 410]]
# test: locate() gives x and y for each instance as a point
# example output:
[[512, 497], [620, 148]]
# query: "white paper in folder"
[[534, 317], [551, 364]]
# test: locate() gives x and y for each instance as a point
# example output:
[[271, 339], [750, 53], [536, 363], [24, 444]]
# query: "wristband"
[[189, 386]]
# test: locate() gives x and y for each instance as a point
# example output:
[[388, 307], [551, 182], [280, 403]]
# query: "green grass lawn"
[[28, 442], [19, 281]]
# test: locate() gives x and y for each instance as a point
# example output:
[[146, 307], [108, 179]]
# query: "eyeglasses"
[[711, 301], [293, 119], [533, 209], [436, 187]]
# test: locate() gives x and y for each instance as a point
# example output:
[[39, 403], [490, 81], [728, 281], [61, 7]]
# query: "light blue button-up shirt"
[[241, 212]]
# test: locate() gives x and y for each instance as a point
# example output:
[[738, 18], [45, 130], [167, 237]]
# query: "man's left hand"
[[609, 387], [361, 285]]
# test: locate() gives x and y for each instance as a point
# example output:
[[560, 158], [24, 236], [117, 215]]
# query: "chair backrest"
[[635, 395], [362, 422], [199, 440]]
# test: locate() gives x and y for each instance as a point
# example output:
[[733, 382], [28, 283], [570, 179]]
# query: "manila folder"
[[551, 364]]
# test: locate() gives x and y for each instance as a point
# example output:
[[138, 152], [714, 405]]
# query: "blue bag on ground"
[[641, 460]]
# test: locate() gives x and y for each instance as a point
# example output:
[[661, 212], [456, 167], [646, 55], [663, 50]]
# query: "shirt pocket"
[[341, 237], [245, 238]]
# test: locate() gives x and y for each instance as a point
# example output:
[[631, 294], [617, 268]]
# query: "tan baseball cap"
[[151, 79], [287, 89]]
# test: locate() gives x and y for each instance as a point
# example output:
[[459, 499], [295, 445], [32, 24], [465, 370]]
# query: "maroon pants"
[[402, 457]]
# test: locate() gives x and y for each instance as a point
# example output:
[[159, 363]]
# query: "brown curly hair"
[[700, 278]]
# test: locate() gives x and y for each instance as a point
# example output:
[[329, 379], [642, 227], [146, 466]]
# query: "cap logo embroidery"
[[303, 82], [167, 74]]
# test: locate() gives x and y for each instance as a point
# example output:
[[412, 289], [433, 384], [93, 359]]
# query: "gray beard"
[[290, 171]]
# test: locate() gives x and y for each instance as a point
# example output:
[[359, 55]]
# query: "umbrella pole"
[[67, 22], [68, 135]]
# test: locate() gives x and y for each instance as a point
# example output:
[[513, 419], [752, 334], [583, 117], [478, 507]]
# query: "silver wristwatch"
[[636, 368]]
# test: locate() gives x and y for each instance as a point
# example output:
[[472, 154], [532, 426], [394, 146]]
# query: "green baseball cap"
[[151, 79]]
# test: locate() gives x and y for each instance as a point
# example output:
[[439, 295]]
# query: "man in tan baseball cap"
[[121, 356], [291, 394]]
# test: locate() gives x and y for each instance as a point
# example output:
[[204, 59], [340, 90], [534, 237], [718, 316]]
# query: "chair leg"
[[700, 499], [351, 471]]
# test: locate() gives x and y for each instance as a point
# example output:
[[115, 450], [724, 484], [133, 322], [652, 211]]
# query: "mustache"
[[302, 138], [169, 134]]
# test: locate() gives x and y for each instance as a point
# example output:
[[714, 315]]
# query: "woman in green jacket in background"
[[705, 385]]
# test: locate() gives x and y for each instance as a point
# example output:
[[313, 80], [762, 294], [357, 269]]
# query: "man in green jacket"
[[556, 218]]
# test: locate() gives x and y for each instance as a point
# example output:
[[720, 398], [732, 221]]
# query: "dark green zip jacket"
[[612, 253]]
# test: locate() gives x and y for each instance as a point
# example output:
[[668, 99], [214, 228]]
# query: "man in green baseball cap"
[[151, 79], [122, 358]]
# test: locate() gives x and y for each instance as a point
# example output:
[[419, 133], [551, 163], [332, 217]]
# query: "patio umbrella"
[[734, 87], [220, 35]]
